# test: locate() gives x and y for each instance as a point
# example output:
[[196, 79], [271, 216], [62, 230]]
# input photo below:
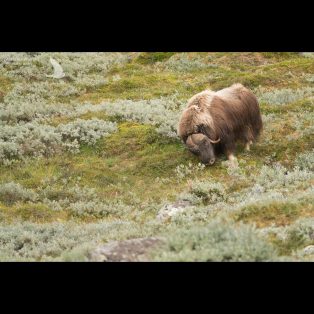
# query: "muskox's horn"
[[214, 142]]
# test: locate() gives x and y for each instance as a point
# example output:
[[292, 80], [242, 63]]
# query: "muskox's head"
[[200, 145]]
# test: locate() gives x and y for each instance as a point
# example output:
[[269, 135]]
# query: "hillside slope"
[[94, 158]]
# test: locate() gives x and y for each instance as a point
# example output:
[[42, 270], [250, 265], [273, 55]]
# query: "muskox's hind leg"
[[247, 145], [248, 136]]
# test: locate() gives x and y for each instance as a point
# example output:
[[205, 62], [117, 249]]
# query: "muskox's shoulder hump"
[[201, 99], [237, 86]]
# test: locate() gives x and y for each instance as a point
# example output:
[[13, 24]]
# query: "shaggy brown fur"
[[230, 114]]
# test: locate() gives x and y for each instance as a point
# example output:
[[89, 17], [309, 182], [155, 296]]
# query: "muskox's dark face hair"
[[200, 145], [207, 153]]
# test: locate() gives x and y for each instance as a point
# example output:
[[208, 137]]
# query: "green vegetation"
[[95, 157], [152, 57], [280, 213]]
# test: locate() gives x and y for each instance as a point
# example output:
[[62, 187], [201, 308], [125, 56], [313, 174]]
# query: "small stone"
[[171, 210], [309, 250]]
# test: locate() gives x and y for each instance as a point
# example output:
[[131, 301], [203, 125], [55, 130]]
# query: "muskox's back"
[[236, 110], [229, 114]]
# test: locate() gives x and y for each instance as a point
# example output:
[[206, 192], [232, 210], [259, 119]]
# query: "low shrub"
[[12, 192], [216, 241]]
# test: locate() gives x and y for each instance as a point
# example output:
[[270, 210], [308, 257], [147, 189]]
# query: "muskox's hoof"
[[233, 163]]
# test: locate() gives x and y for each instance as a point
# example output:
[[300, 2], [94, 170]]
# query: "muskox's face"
[[200, 145]]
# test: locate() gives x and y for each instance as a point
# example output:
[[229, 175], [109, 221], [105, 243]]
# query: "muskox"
[[214, 121]]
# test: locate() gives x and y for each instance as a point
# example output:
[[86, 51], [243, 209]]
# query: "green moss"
[[30, 173], [298, 106], [152, 57], [143, 151], [279, 55], [295, 66], [161, 160], [5, 86], [280, 213], [130, 138], [280, 150], [127, 161], [140, 81], [142, 86], [283, 72], [249, 79], [86, 116], [139, 85], [35, 212], [294, 242]]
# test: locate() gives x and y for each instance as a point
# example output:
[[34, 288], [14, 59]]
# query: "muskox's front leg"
[[231, 157], [229, 151], [233, 161]]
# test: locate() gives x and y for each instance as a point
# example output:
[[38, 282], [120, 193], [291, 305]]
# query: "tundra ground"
[[94, 158]]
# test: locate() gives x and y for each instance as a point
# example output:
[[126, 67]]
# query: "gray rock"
[[133, 250], [170, 210], [309, 250]]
